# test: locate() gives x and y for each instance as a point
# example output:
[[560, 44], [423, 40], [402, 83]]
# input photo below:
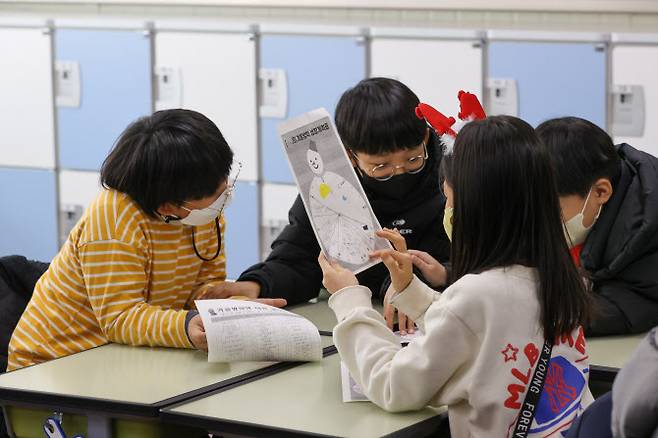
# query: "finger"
[[380, 253], [401, 258], [395, 238], [389, 314], [274, 302], [202, 295], [402, 323], [390, 263], [422, 255], [411, 326], [420, 263], [324, 263], [200, 341], [336, 266]]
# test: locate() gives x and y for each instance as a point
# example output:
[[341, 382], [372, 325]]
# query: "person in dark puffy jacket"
[[609, 200]]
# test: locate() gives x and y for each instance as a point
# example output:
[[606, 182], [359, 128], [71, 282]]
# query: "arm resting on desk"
[[118, 298], [395, 378]]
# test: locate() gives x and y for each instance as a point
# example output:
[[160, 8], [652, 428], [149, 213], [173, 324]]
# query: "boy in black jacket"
[[609, 199], [397, 159]]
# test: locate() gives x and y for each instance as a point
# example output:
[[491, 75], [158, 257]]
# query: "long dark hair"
[[506, 212]]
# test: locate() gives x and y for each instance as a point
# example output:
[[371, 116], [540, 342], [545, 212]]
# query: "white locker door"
[[216, 75], [638, 65], [434, 69], [26, 99], [77, 190], [277, 201]]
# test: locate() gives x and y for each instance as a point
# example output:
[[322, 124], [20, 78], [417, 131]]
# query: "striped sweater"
[[122, 277]]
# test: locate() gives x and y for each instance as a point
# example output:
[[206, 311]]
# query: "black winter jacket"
[[292, 272], [621, 252]]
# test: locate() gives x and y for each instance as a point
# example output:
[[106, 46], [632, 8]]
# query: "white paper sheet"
[[240, 330], [342, 218], [351, 390]]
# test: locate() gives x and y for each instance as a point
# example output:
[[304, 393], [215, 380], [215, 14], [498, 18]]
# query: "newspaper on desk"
[[239, 330], [340, 213], [352, 391]]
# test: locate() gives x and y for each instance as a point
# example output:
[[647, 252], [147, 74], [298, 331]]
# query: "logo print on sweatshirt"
[[561, 395]]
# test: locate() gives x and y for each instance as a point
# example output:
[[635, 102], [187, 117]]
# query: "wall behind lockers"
[[68, 89]]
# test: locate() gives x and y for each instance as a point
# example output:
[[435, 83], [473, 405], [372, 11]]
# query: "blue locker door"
[[241, 239], [28, 221], [553, 79], [319, 69], [115, 77]]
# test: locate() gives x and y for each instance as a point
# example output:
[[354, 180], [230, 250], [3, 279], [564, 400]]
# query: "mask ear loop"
[[219, 244]]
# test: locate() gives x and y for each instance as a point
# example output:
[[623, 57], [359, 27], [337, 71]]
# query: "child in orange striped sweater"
[[144, 249]]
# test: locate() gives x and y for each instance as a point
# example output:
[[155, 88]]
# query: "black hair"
[[171, 156], [378, 116], [506, 212], [581, 153]]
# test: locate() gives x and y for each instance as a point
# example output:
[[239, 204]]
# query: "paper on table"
[[250, 331], [341, 216], [352, 391]]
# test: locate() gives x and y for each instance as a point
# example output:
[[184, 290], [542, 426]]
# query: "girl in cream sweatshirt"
[[514, 287]]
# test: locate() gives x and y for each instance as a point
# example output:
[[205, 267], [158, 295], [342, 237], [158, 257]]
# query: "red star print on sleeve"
[[510, 353]]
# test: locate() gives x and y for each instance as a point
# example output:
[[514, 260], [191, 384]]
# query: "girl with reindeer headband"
[[503, 346]]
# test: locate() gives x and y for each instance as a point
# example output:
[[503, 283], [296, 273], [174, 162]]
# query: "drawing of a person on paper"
[[340, 213]]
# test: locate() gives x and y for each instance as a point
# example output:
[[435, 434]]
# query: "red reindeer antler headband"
[[469, 109]]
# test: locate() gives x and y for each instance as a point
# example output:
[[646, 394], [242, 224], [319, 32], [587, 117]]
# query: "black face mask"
[[395, 189]]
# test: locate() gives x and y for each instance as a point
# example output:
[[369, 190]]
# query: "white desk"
[[608, 354], [321, 315], [120, 380], [302, 401]]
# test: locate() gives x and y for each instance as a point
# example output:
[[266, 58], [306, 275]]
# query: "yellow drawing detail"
[[325, 190]]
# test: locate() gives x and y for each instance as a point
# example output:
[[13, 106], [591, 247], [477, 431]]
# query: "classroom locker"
[[277, 201], [26, 98], [28, 221], [434, 69], [553, 79], [110, 73], [637, 66], [215, 74], [77, 189], [241, 237], [318, 69]]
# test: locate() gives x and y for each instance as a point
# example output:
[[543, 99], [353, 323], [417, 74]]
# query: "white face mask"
[[206, 215], [574, 230]]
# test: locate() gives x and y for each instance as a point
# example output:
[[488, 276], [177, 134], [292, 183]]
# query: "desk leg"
[[99, 426], [7, 422]]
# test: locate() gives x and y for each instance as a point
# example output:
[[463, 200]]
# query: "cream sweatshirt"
[[482, 339]]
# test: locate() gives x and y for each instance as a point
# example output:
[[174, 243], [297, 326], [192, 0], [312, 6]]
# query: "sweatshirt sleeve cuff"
[[414, 300], [191, 314], [346, 299]]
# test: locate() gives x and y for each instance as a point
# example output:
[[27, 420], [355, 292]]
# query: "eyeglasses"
[[228, 191], [384, 172]]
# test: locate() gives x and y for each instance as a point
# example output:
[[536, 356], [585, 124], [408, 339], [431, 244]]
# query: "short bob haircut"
[[171, 156], [581, 153], [378, 116]]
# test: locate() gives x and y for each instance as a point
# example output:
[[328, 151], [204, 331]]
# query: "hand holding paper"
[[239, 330]]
